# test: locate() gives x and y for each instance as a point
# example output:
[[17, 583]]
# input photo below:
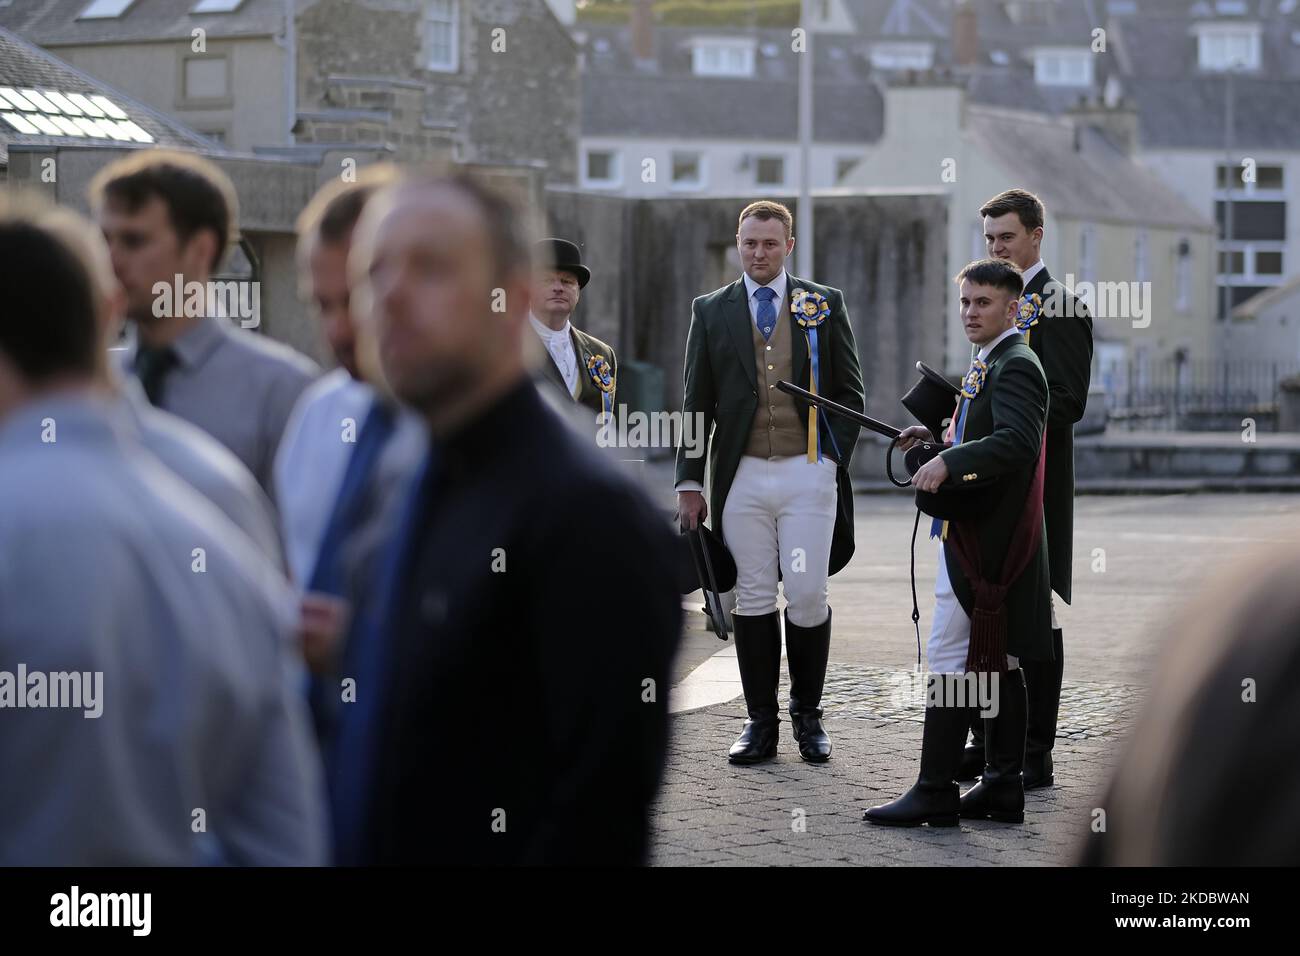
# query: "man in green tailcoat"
[[780, 494], [992, 591]]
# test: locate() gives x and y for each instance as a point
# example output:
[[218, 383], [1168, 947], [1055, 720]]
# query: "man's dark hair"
[[1027, 207], [47, 325], [998, 273], [198, 195], [332, 213]]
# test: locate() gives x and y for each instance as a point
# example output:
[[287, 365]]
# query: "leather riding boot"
[[807, 650], [1000, 794], [1044, 684], [758, 651], [972, 758], [934, 798]]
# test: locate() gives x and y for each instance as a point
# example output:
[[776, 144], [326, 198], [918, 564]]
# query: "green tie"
[[152, 366]]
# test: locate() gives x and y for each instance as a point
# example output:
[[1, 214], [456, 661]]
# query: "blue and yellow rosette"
[[602, 376], [1031, 307], [810, 310], [973, 383]]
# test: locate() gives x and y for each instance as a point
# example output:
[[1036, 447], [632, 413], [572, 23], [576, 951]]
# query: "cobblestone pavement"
[[1136, 560], [789, 812]]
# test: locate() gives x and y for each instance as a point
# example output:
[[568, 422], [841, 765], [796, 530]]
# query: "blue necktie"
[[766, 311], [350, 763], [328, 576]]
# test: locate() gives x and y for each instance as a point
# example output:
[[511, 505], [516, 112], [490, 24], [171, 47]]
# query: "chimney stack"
[[965, 34], [643, 32]]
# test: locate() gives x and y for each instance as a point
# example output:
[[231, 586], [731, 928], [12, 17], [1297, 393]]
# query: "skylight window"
[[216, 6], [104, 9], [54, 113]]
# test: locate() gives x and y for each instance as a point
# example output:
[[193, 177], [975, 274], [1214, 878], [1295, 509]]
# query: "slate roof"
[[23, 65], [667, 99], [57, 22], [1085, 178]]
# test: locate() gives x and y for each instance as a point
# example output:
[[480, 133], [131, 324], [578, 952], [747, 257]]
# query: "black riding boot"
[[758, 651], [972, 758], [1044, 684], [934, 797], [1000, 793], [806, 652]]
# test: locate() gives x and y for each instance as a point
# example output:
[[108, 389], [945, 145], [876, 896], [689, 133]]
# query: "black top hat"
[[564, 256], [931, 400], [691, 566]]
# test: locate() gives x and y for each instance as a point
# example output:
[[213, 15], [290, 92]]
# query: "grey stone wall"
[[516, 105]]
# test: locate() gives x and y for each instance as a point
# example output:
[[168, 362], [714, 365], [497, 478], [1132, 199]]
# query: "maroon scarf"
[[988, 627]]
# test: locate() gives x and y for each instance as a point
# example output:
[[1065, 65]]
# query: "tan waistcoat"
[[777, 431]]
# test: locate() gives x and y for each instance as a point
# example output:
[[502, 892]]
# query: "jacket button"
[[771, 368]]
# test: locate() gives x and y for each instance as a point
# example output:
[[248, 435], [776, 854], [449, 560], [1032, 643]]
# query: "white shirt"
[[560, 346], [1032, 271], [777, 285], [311, 461], [984, 351]]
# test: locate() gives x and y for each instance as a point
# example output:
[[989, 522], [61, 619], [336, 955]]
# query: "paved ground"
[[1135, 557]]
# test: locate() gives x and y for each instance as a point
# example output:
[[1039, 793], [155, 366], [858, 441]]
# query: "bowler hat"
[[931, 400], [563, 256]]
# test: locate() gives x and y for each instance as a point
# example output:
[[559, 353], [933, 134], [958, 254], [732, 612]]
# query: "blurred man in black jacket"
[[512, 691]]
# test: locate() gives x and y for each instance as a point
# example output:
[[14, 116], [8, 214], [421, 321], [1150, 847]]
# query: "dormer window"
[[902, 56], [722, 57], [1227, 46], [1063, 66]]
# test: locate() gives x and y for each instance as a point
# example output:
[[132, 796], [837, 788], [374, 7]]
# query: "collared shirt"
[[1032, 271], [206, 465], [112, 566], [237, 386], [777, 285], [985, 350], [560, 346], [312, 458]]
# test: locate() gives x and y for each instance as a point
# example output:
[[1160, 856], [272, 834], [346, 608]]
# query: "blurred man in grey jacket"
[[145, 674]]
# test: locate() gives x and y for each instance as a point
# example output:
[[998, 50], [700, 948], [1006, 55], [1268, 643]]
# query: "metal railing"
[[1194, 395]]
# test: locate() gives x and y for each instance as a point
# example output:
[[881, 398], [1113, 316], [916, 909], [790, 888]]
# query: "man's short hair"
[[198, 195], [332, 213], [510, 227], [1027, 207], [998, 273], [48, 326], [764, 210]]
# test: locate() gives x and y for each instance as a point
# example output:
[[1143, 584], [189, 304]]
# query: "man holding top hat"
[[1058, 327], [780, 496], [581, 367], [992, 591]]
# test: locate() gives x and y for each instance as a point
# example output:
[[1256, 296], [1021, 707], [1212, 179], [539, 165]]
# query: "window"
[[441, 35], [1183, 276], [1268, 263], [1062, 67], [216, 6], [723, 58], [104, 9], [902, 56], [1228, 46], [1266, 178], [207, 78], [602, 168], [770, 171], [1087, 256], [1141, 269], [688, 170]]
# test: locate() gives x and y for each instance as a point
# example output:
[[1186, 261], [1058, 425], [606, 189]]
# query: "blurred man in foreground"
[[556, 695], [143, 655]]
